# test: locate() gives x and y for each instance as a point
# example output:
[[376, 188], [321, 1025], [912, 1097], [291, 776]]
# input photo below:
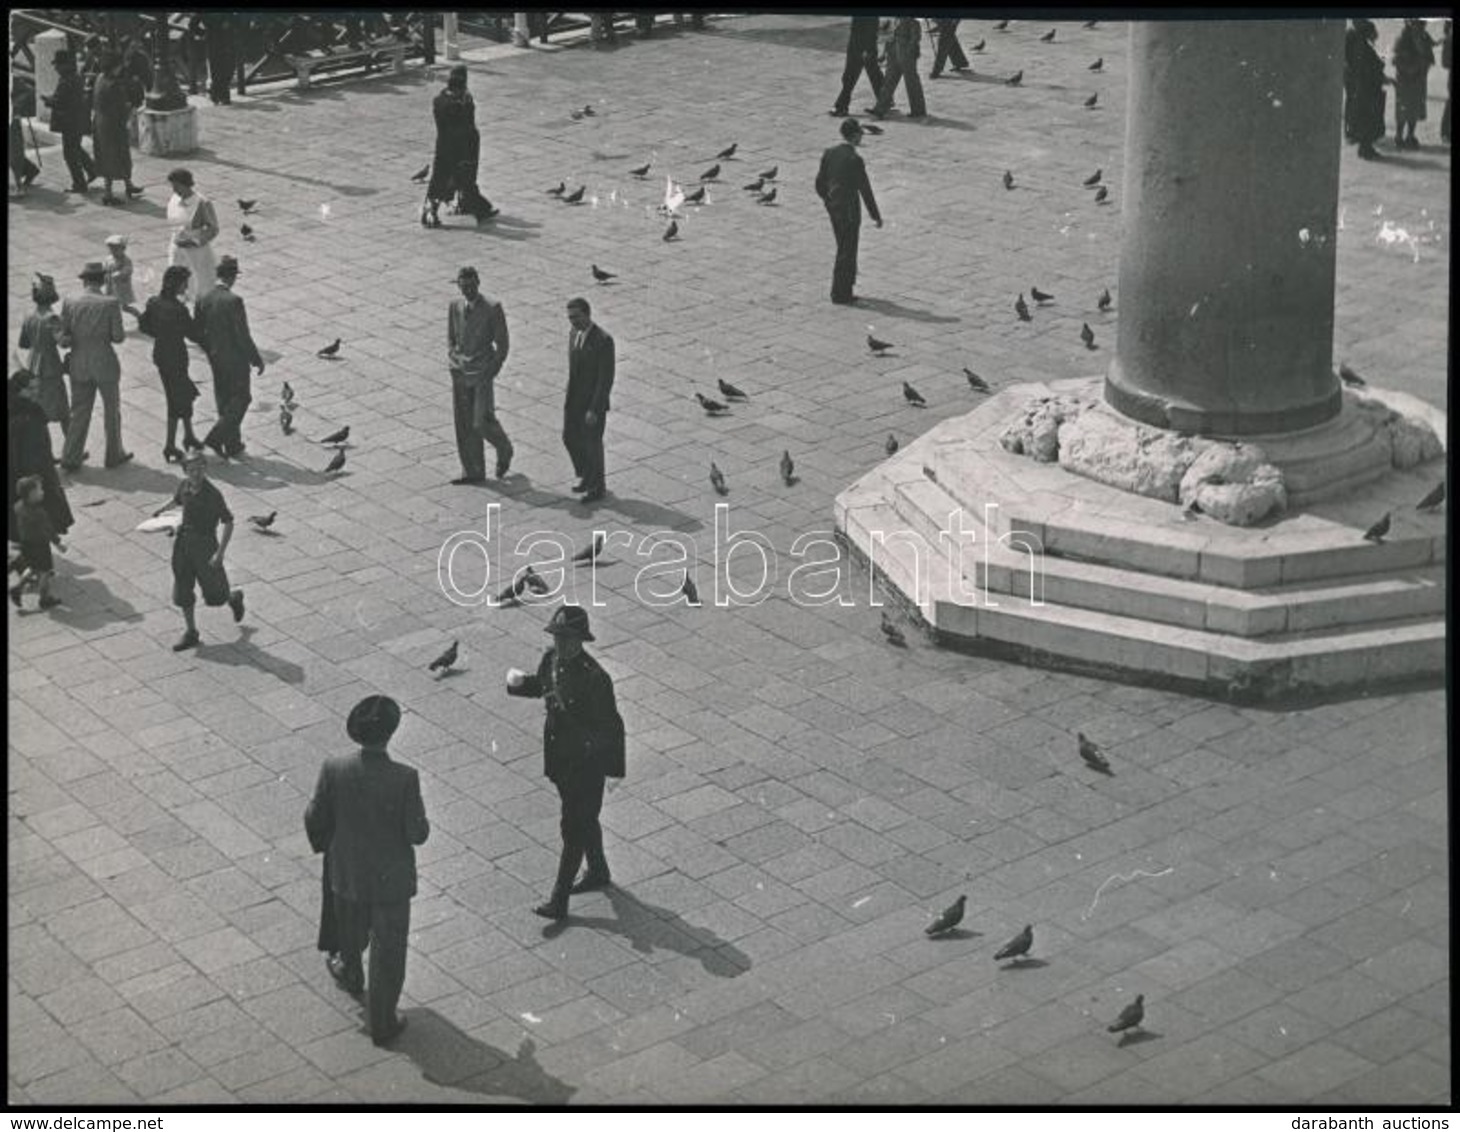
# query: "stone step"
[[1005, 565]]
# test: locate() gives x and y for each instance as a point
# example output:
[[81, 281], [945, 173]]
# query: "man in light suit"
[[367, 816], [585, 412], [91, 325], [223, 329]]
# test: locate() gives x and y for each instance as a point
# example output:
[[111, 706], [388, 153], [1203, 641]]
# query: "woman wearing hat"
[[170, 324], [197, 551], [40, 333], [91, 326], [195, 227], [31, 454], [458, 152], [112, 106], [1363, 84], [583, 742]]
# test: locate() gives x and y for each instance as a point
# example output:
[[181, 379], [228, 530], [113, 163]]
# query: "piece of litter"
[[859, 903], [529, 1016]]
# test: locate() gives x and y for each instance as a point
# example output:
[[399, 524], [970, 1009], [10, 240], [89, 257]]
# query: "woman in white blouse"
[[195, 227]]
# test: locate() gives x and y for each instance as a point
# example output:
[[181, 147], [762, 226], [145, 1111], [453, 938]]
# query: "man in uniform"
[[583, 743], [842, 184], [222, 325], [367, 817]]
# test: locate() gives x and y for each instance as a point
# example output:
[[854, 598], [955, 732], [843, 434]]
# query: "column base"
[[167, 133]]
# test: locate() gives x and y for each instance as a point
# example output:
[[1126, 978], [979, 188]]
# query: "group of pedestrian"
[[1364, 82], [457, 155], [106, 115]]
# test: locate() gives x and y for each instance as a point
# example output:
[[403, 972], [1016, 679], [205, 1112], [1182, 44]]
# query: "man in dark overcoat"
[[585, 412], [583, 744], [842, 184], [367, 816], [222, 323]]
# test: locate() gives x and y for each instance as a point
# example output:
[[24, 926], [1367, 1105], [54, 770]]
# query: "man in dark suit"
[[367, 815], [585, 412], [902, 65], [861, 54], [949, 49], [582, 742], [842, 184], [222, 325], [71, 119]]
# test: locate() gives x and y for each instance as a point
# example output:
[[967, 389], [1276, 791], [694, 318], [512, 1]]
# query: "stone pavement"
[[801, 797]]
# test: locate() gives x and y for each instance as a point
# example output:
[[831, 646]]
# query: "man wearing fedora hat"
[[222, 324], [71, 119], [367, 816], [91, 323], [583, 743], [842, 184]]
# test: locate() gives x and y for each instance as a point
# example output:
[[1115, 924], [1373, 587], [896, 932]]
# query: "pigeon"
[[1015, 79], [1346, 372], [1048, 37], [587, 112], [975, 382], [247, 233], [1018, 946], [286, 420], [731, 392], [717, 480], [891, 446], [696, 197], [1092, 180], [711, 173], [1021, 308], [1130, 1017], [788, 469], [1098, 65], [576, 196], [709, 406], [330, 351], [642, 171], [948, 919], [1433, 499], [286, 394], [770, 174], [532, 581], [425, 171], [1087, 336], [912, 396], [1008, 179], [527, 579], [1092, 100], [590, 553], [339, 436], [337, 463], [1191, 511], [671, 232], [601, 275], [755, 186], [263, 522], [1092, 754], [892, 632], [576, 115], [1040, 296], [767, 197], [1103, 302], [1102, 194], [247, 206], [876, 345], [1002, 25], [1376, 533], [446, 660], [559, 191], [728, 152], [690, 590]]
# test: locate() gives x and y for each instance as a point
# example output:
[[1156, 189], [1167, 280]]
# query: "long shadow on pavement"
[[87, 602], [636, 510], [449, 1057], [648, 927], [213, 158], [896, 310], [130, 477], [244, 651]]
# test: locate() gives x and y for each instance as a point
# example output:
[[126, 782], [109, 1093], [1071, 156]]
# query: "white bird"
[[673, 196]]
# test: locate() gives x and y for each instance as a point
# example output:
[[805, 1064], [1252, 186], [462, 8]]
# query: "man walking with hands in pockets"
[[477, 345]]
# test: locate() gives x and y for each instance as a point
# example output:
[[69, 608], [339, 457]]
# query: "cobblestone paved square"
[[801, 798]]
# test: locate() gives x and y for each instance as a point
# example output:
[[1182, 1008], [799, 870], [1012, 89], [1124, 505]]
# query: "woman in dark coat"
[[170, 324], [1363, 83], [31, 453], [458, 151], [1414, 55], [112, 103]]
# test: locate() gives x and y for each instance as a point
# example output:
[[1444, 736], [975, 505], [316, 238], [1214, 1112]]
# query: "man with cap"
[[222, 324], [91, 325], [197, 551], [842, 184], [367, 817], [71, 118], [583, 743], [476, 345]]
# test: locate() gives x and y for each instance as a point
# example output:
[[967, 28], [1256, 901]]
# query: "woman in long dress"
[[458, 151], [112, 104], [195, 227], [1363, 81], [40, 333], [1414, 55]]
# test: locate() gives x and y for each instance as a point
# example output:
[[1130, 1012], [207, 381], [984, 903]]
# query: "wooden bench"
[[305, 65]]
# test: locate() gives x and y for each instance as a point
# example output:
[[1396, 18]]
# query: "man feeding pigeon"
[[842, 185]]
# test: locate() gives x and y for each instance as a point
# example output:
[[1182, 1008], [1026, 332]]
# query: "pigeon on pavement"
[[263, 522], [730, 391], [876, 345], [1102, 194], [1015, 79], [709, 406], [690, 590], [576, 196], [767, 197], [602, 276], [339, 436], [446, 660], [711, 173], [591, 552], [1346, 372], [1048, 37], [975, 382], [788, 469], [1040, 296], [1087, 336], [912, 396], [330, 351], [717, 480], [891, 446], [1092, 754], [642, 170], [770, 174], [728, 152], [892, 632], [1092, 180], [247, 206], [1021, 308], [1376, 533], [336, 464], [1098, 64], [1103, 302], [1008, 179], [425, 171], [1092, 100], [671, 232], [1018, 946], [1130, 1017], [1432, 499], [948, 919]]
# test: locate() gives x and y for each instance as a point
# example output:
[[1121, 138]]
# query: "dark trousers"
[[78, 161], [859, 59], [949, 49], [473, 408], [585, 446], [900, 69], [22, 166], [581, 791], [384, 928], [221, 61], [232, 393], [329, 930], [846, 226]]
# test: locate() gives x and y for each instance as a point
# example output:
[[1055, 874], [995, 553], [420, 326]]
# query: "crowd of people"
[[1364, 80]]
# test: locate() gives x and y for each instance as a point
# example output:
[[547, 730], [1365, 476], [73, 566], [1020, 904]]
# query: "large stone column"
[[1230, 204]]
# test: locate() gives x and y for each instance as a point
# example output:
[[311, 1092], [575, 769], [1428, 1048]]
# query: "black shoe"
[[837, 112], [918, 114], [590, 882], [461, 481], [235, 603], [217, 449], [49, 602], [580, 487], [194, 443], [351, 984], [488, 214], [846, 301], [135, 190], [172, 454], [189, 640], [392, 1031], [874, 112], [594, 495], [552, 910], [119, 461], [503, 464]]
